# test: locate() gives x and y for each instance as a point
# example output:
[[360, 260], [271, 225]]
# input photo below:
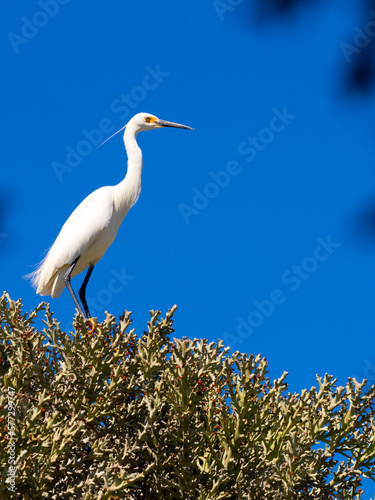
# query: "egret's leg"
[[67, 277], [82, 291]]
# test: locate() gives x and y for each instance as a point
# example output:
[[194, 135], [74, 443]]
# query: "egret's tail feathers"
[[46, 279], [34, 277]]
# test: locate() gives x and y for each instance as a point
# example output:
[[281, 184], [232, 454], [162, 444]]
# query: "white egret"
[[92, 227]]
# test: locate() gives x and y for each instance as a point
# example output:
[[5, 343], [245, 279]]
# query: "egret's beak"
[[163, 123]]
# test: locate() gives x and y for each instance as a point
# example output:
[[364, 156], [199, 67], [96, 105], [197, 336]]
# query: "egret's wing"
[[84, 226]]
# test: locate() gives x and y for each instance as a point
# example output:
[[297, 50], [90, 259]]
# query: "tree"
[[110, 414]]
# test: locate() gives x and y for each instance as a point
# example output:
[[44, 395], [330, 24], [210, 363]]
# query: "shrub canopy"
[[112, 414]]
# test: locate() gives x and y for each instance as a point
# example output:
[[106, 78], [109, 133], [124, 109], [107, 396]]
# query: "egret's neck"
[[130, 187]]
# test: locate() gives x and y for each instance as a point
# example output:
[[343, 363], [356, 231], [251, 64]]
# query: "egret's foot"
[[91, 325]]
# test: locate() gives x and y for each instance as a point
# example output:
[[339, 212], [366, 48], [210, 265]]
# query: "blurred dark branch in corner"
[[358, 50], [361, 75], [357, 53], [267, 8]]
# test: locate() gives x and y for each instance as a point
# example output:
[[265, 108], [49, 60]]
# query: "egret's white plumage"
[[92, 227]]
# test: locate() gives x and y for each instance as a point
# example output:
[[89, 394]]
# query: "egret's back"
[[87, 234]]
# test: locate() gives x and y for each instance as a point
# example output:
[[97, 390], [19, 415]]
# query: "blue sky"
[[255, 224]]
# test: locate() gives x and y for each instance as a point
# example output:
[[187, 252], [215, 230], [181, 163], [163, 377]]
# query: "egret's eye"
[[150, 119]]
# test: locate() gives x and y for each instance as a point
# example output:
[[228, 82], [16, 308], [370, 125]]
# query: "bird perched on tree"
[[92, 227]]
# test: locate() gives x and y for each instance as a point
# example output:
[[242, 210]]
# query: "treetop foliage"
[[112, 414]]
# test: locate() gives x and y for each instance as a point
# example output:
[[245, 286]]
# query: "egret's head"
[[146, 121]]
